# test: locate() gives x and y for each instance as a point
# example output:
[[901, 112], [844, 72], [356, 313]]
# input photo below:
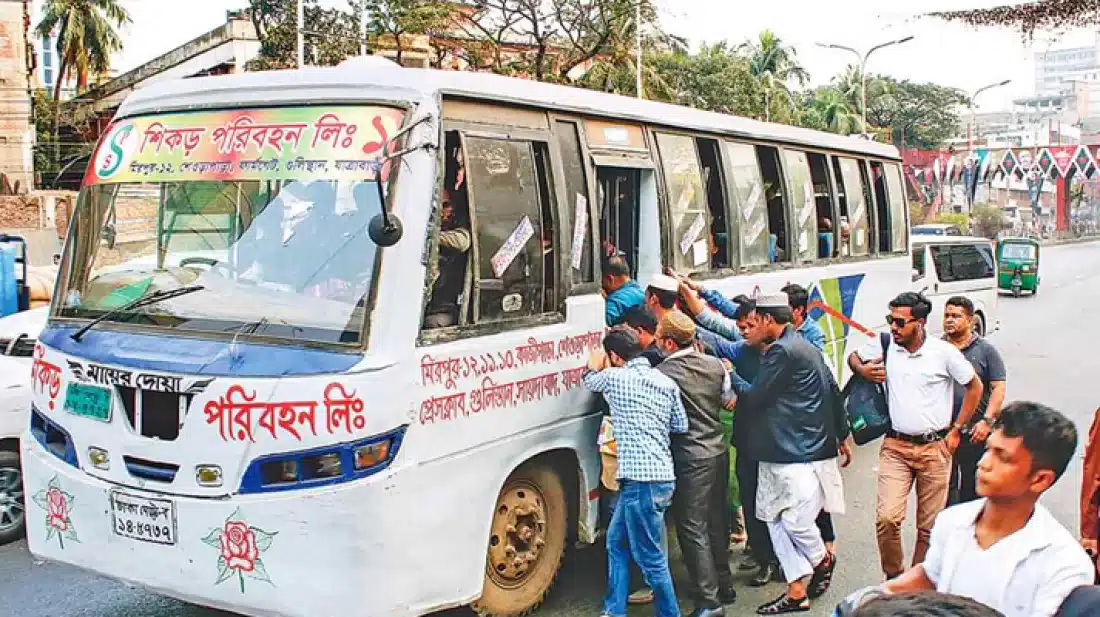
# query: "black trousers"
[[699, 508], [963, 485], [760, 541]]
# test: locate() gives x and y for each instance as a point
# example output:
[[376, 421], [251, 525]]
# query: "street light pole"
[[973, 115], [862, 59]]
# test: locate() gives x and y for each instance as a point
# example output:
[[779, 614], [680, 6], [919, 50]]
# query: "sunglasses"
[[899, 322]]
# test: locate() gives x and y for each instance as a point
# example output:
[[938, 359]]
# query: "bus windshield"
[[283, 258], [266, 210]]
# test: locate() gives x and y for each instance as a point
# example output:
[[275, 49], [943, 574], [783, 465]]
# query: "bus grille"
[[157, 415]]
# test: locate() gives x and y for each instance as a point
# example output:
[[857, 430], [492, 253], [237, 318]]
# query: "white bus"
[[242, 407]]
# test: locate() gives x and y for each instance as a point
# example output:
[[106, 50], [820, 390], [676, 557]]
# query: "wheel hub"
[[11, 498], [518, 534]]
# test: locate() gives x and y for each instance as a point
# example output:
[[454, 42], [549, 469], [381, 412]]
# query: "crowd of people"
[[723, 415]]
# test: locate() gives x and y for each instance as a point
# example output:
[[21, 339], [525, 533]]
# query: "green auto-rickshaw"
[[1018, 265]]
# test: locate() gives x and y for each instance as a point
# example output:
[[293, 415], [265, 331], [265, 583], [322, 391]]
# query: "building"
[[16, 126], [1055, 67]]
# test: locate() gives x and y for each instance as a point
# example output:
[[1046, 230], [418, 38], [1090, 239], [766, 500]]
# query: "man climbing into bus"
[[662, 295], [701, 459], [645, 411], [621, 292]]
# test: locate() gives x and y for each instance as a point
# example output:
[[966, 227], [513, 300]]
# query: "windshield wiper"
[[145, 300]]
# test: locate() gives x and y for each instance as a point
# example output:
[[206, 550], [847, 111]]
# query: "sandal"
[[784, 604], [823, 577]]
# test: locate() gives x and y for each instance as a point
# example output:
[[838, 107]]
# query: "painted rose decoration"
[[58, 506], [239, 546]]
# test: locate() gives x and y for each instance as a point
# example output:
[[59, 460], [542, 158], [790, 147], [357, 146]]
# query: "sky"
[[948, 54]]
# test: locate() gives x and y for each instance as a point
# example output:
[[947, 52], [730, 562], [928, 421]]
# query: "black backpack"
[[866, 404]]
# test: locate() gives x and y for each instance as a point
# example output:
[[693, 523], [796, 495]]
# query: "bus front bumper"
[[294, 554]]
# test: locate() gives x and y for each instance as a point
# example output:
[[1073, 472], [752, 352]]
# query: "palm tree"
[[835, 110], [774, 65], [769, 55], [86, 36]]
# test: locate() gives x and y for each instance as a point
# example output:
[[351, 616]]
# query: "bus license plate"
[[88, 401], [143, 518]]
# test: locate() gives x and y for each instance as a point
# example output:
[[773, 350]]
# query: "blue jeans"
[[636, 531]]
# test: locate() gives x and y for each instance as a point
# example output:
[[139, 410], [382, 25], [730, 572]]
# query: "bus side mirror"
[[385, 229]]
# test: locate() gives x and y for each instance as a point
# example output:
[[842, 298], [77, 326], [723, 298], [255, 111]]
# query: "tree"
[[988, 220], [397, 18], [54, 156], [829, 109], [1031, 16], [552, 37], [774, 64], [715, 79], [331, 35], [85, 31], [918, 115]]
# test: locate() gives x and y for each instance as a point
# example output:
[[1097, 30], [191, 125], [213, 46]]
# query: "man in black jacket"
[[797, 428], [702, 463]]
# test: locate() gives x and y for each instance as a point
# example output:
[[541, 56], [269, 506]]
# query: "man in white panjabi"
[[798, 428]]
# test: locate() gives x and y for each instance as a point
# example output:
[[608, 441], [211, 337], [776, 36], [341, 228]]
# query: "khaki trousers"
[[901, 465]]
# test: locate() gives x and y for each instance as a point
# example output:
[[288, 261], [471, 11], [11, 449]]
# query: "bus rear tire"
[[527, 541]]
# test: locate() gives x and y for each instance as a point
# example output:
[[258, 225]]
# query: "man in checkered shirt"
[[645, 409]]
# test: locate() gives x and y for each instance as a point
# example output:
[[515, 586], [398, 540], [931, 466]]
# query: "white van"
[[946, 266], [18, 334]]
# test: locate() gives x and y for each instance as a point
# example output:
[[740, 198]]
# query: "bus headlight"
[[322, 466], [208, 475], [99, 458], [372, 454]]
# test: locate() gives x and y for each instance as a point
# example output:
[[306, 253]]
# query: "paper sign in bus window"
[[692, 233], [699, 250], [512, 247], [580, 223], [754, 230], [750, 202]]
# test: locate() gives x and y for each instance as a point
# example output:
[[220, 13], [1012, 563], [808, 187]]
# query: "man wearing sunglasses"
[[918, 447]]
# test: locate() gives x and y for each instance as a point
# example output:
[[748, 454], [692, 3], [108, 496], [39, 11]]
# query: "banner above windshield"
[[304, 143]]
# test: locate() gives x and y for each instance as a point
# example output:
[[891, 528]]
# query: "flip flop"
[[784, 604]]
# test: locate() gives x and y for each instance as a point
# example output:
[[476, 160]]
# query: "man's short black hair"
[[918, 305], [925, 604], [623, 342], [641, 317], [962, 302], [616, 266], [782, 315], [745, 308], [797, 296], [1049, 436], [667, 299]]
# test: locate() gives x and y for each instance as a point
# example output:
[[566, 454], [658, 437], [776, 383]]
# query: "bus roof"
[[388, 81], [930, 239]]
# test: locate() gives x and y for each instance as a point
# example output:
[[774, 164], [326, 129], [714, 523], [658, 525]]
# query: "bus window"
[[882, 208], [895, 188], [853, 207], [823, 205], [751, 216], [508, 192], [687, 204], [802, 204], [619, 189], [775, 198], [450, 280], [576, 199], [718, 237]]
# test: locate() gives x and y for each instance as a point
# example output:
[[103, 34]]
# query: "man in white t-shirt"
[[920, 374], [1005, 550]]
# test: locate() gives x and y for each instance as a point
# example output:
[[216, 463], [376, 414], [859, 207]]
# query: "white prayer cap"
[[665, 283], [773, 300]]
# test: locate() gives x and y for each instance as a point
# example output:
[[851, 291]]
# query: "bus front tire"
[[527, 541], [12, 504]]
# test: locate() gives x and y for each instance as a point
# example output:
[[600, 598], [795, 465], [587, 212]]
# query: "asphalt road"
[[1046, 341]]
